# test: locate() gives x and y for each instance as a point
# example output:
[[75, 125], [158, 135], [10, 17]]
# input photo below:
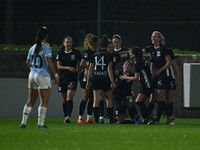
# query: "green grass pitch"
[[184, 135]]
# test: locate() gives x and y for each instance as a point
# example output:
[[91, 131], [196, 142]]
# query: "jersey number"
[[37, 61], [99, 62]]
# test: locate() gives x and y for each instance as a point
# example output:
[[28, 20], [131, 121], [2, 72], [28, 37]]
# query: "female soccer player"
[[160, 63], [123, 95], [67, 60], [102, 78], [39, 81], [90, 45], [142, 73]]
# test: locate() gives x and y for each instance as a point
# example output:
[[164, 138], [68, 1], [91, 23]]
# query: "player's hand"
[[56, 80], [72, 69], [122, 77], [113, 85], [87, 86]]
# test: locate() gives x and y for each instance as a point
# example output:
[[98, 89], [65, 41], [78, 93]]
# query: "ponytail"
[[40, 35]]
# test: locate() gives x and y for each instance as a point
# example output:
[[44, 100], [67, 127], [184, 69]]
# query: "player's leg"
[[101, 108], [42, 109], [109, 105], [96, 94], [85, 96], [32, 97], [90, 108]]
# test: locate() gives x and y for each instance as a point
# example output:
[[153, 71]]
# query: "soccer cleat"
[[170, 119], [22, 126], [43, 127], [67, 120], [101, 121], [137, 120], [80, 121], [90, 121]]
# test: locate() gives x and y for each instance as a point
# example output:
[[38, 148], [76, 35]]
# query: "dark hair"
[[138, 52], [129, 61], [104, 41], [117, 36], [42, 32]]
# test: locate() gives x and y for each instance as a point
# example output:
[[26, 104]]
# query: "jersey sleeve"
[[58, 58], [29, 55], [137, 67], [48, 52], [148, 49], [86, 55]]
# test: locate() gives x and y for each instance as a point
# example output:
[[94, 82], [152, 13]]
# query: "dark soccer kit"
[[100, 79], [83, 75], [123, 92], [157, 56], [67, 79], [122, 59], [146, 80]]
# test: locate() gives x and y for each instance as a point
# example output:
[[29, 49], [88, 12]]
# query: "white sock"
[[101, 117], [26, 112], [41, 115], [89, 117], [80, 117]]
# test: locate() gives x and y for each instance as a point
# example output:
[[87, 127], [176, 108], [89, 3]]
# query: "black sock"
[[151, 107], [132, 112], [82, 107], [101, 108], [170, 108], [65, 109], [165, 109], [96, 114], [69, 107], [90, 106], [110, 113], [144, 109], [159, 111]]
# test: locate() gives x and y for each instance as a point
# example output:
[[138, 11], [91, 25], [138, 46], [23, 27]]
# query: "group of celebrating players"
[[106, 75]]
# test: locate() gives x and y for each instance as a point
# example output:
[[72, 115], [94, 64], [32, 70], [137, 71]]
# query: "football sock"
[[132, 112], [69, 107], [110, 113], [161, 107], [144, 109], [170, 108], [41, 115], [96, 114], [90, 106], [82, 107], [26, 112], [89, 117], [151, 107], [101, 108], [65, 109]]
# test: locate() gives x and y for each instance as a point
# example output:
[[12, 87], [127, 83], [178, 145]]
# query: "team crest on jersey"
[[114, 59], [86, 55], [73, 57], [158, 54]]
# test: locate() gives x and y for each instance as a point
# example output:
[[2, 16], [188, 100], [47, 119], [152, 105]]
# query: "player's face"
[[110, 48], [132, 55], [67, 43], [127, 66], [116, 43], [155, 40]]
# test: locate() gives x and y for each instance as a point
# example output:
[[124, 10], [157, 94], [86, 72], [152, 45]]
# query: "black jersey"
[[170, 71], [142, 67], [68, 59], [115, 60], [101, 59], [123, 86], [87, 54], [157, 56], [122, 60]]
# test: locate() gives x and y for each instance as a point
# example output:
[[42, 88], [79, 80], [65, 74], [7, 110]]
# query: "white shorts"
[[37, 81]]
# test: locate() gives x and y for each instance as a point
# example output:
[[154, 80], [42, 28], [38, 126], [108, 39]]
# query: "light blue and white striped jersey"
[[38, 63]]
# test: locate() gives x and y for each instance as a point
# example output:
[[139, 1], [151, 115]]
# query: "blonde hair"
[[161, 37], [90, 41]]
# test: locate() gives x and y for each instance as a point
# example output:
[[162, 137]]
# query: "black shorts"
[[100, 84], [83, 84], [162, 81], [63, 86], [146, 91]]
